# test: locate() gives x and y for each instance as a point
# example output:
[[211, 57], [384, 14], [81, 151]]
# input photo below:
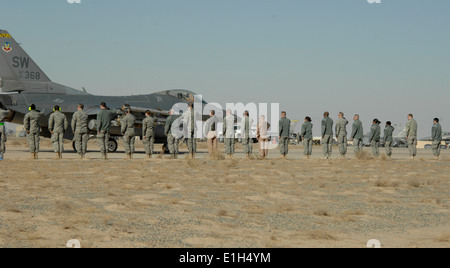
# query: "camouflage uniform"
[[357, 135], [80, 130], [327, 133], [247, 137], [127, 129], [58, 124], [388, 139], [148, 131], [31, 125], [411, 133], [189, 121], [436, 136], [229, 134], [3, 139], [307, 135], [341, 135], [285, 132], [375, 137], [104, 119], [172, 141]]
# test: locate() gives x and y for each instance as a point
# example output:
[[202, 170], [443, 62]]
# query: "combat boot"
[[33, 155], [149, 156], [36, 156], [60, 156]]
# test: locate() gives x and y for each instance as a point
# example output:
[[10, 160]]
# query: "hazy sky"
[[380, 60]]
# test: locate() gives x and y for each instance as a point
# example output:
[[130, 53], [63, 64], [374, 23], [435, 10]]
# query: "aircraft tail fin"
[[16, 65]]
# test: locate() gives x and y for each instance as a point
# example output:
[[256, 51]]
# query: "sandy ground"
[[223, 203]]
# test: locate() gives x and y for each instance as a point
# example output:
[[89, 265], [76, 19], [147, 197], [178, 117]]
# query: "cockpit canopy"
[[183, 95]]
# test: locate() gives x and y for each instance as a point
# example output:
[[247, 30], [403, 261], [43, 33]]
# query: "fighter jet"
[[23, 83]]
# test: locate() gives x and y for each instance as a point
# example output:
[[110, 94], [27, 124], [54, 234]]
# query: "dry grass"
[[363, 155], [231, 203], [384, 183], [222, 213], [322, 213], [415, 183], [321, 235], [444, 238]]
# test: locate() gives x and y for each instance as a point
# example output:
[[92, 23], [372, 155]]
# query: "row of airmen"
[[58, 125]]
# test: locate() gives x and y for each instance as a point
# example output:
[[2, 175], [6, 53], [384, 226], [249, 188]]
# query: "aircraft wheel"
[[112, 145]]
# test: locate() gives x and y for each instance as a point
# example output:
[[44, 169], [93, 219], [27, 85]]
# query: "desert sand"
[[223, 203]]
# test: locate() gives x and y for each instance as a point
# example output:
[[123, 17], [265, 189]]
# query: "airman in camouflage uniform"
[[341, 134], [33, 128], [189, 122], [357, 134], [411, 135], [172, 140], [4, 112], [284, 135], [127, 129], [246, 134], [58, 125], [80, 131], [388, 138], [229, 134], [307, 135], [148, 133], [327, 135], [436, 136], [104, 118], [375, 137]]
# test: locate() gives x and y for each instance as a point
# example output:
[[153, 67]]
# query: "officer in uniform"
[[357, 134], [307, 136], [189, 122], [229, 134], [411, 134], [284, 136], [327, 135], [375, 137], [388, 138], [247, 137], [341, 134], [436, 136], [127, 129], [80, 130], [148, 132], [33, 128], [4, 112], [172, 141], [104, 118], [57, 125]]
